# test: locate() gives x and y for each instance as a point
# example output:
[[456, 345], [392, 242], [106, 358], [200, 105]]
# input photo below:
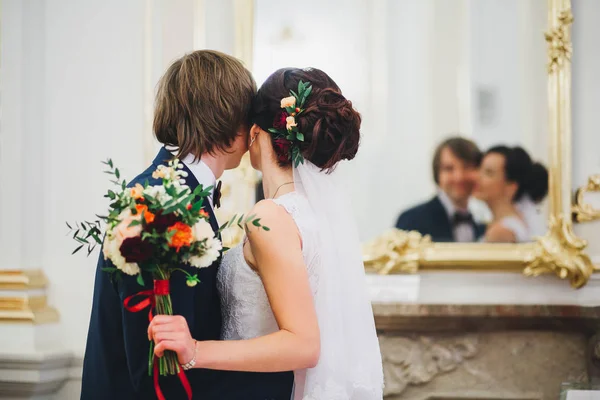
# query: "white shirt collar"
[[201, 172], [450, 208]]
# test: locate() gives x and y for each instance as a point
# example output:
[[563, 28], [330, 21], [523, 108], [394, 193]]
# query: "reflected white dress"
[[518, 227]]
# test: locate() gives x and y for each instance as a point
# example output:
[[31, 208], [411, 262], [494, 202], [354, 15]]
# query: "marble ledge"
[[418, 318]]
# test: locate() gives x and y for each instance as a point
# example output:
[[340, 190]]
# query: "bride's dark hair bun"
[[531, 177], [331, 126]]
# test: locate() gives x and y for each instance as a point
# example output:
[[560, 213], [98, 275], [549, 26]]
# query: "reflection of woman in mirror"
[[512, 185]]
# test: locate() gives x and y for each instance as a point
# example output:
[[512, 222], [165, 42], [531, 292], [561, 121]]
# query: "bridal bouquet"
[[153, 229]]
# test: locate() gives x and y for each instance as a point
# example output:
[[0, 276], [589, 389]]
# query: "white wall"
[[586, 103], [508, 80], [94, 110], [78, 81]]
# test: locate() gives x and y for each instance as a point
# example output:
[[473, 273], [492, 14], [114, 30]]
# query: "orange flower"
[[148, 216], [203, 213], [183, 235], [136, 191]]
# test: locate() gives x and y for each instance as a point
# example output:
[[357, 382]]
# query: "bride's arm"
[[278, 256], [498, 233]]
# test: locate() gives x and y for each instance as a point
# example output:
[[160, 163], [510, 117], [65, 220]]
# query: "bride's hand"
[[171, 332]]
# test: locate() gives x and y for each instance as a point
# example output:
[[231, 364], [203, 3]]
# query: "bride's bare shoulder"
[[272, 216]]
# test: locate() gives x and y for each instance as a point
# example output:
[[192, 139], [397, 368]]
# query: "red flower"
[[282, 149], [136, 250], [162, 222], [279, 121]]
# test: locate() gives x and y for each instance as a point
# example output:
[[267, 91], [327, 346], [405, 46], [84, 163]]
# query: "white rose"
[[290, 122], [202, 230], [112, 252], [288, 102]]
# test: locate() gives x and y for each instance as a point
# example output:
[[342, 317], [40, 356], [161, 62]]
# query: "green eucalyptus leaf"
[[77, 249]]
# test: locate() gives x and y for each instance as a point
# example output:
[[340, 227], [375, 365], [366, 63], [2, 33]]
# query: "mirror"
[[422, 72]]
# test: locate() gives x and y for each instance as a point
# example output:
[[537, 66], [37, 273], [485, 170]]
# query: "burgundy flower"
[[282, 149], [162, 222], [279, 122], [136, 250]]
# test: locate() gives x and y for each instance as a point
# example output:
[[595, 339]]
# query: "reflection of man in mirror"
[[446, 217]]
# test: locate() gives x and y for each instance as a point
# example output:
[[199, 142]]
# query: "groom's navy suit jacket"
[[430, 218], [116, 357]]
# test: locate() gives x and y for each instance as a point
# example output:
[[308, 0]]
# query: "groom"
[[201, 117], [446, 217]]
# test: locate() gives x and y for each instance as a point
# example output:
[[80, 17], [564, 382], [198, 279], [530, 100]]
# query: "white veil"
[[534, 219], [349, 366]]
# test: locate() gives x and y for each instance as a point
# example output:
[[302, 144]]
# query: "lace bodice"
[[245, 307]]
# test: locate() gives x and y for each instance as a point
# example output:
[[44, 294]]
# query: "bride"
[[294, 297], [513, 186]]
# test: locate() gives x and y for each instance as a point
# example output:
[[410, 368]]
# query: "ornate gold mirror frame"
[[560, 251]]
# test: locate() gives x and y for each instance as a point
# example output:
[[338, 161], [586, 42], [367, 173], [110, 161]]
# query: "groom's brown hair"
[[202, 101]]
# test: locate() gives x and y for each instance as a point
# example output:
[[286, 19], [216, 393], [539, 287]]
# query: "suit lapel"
[[440, 219]]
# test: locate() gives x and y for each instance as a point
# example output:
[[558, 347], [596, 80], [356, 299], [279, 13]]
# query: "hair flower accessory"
[[285, 126]]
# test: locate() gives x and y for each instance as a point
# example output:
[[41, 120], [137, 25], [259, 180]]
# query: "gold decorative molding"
[[560, 251], [582, 211], [395, 251], [18, 304], [559, 41], [399, 251]]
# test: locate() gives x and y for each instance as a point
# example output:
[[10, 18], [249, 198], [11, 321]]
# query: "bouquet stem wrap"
[[159, 299]]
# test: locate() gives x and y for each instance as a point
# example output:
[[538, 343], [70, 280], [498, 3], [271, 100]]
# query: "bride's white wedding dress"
[[349, 366], [246, 310]]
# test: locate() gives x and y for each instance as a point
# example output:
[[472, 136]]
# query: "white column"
[[449, 58], [11, 137]]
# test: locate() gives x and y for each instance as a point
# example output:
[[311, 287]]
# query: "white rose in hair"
[[288, 102], [290, 122]]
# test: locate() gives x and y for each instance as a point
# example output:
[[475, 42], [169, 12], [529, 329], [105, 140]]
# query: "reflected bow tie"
[[461, 218], [217, 195]]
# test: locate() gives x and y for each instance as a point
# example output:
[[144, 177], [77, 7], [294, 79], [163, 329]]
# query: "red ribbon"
[[161, 288]]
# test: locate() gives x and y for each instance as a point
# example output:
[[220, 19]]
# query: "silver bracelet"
[[190, 364]]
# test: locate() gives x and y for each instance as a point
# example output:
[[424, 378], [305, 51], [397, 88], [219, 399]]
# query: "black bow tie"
[[217, 195], [462, 217]]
